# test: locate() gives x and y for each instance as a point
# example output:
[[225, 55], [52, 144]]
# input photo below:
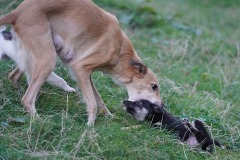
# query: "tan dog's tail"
[[10, 18]]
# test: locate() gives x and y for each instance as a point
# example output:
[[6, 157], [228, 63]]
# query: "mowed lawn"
[[194, 49]]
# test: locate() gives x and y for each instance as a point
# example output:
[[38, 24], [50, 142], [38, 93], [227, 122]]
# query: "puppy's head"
[[5, 43], [143, 85], [141, 109]]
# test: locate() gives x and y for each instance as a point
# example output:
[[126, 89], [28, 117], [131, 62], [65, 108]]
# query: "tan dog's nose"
[[162, 105]]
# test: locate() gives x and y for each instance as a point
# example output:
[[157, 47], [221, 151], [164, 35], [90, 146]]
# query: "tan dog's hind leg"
[[100, 103], [40, 57], [15, 75], [37, 78]]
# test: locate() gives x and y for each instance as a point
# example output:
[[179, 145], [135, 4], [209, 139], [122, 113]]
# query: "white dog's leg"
[[8, 47], [52, 79], [59, 82]]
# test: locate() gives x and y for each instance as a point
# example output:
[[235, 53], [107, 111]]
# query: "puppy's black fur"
[[157, 115], [201, 134]]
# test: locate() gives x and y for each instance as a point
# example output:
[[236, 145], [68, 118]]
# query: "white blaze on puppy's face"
[[141, 113], [136, 109]]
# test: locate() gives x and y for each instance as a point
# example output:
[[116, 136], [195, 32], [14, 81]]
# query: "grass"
[[194, 49]]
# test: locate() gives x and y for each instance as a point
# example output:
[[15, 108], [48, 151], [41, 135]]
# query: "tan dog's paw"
[[105, 112], [91, 120]]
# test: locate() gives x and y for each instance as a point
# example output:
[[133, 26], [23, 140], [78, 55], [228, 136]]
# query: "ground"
[[192, 47]]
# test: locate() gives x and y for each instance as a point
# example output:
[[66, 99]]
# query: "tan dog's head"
[[143, 85], [139, 80]]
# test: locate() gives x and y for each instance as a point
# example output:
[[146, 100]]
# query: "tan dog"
[[97, 41]]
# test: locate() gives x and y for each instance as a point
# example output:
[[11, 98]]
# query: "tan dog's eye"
[[154, 87]]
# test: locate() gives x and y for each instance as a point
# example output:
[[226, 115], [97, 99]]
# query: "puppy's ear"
[[139, 67]]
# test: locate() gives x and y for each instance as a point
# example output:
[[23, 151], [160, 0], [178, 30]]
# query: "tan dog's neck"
[[122, 70]]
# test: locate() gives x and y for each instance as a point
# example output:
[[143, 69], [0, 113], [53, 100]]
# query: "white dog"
[[8, 50]]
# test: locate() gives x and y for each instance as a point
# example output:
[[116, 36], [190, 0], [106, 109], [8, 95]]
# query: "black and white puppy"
[[194, 134]]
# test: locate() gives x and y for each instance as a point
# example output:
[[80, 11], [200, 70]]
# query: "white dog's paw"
[[105, 111], [69, 89]]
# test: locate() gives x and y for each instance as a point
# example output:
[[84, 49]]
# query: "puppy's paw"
[[157, 125], [185, 121]]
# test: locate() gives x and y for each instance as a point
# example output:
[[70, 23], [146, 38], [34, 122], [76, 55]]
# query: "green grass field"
[[194, 49]]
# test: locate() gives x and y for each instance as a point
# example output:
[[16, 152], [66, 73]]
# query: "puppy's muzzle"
[[128, 105], [126, 102]]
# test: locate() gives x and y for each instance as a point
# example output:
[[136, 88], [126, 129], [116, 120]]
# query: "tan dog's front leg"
[[15, 75], [84, 81], [101, 105]]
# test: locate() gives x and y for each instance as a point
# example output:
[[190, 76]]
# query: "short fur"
[[197, 128], [8, 51], [97, 42], [158, 116]]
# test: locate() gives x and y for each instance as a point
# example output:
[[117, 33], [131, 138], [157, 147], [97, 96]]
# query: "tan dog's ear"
[[139, 67]]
